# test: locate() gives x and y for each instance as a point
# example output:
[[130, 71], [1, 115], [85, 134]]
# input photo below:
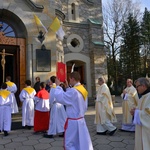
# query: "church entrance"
[[13, 36], [78, 66], [15, 61], [12, 68], [11, 65]]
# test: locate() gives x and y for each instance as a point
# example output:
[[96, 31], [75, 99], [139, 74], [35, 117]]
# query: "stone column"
[[97, 53]]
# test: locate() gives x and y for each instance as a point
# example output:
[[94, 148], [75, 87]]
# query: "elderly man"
[[129, 101], [142, 115], [104, 110]]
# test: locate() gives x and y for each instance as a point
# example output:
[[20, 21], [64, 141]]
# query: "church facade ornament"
[[7, 40], [82, 43]]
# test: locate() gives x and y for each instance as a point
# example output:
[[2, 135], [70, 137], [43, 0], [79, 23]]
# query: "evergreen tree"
[[114, 14], [130, 50], [145, 33]]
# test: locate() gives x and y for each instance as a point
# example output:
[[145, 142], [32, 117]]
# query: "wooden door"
[[11, 66], [16, 64]]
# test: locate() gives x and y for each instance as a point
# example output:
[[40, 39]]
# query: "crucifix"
[[3, 61]]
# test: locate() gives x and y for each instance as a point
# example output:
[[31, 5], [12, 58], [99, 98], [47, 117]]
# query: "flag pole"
[[72, 69]]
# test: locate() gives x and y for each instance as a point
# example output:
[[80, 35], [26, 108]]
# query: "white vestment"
[[104, 110], [129, 102], [27, 107], [13, 89], [57, 115], [5, 112], [76, 135], [142, 130]]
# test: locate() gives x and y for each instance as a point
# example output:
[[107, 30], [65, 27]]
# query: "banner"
[[61, 71], [60, 33], [72, 68], [39, 23], [55, 25]]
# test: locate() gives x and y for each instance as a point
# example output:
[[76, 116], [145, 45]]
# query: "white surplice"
[[27, 107], [13, 90], [57, 115], [5, 112], [77, 136]]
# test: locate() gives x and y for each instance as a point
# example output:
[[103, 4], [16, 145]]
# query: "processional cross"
[[3, 61]]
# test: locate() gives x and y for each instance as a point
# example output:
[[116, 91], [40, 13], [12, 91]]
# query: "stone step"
[[17, 120]]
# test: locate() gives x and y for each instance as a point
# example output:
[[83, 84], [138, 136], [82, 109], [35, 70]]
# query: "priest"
[[142, 115]]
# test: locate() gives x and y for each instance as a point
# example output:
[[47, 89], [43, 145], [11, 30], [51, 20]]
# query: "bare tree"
[[115, 13]]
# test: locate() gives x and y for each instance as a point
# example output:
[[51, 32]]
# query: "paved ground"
[[23, 139]]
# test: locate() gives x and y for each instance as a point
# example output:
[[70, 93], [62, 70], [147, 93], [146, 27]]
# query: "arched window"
[[6, 29], [73, 11]]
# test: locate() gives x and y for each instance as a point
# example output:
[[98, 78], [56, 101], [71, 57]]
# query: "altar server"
[[57, 114], [77, 136], [11, 86], [26, 97], [6, 100], [42, 108]]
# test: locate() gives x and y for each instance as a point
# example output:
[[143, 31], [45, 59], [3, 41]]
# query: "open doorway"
[[11, 66], [79, 66]]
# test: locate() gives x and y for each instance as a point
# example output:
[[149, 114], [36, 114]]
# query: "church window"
[[6, 29], [73, 11], [75, 42]]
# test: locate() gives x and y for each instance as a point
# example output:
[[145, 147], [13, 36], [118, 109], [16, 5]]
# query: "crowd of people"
[[59, 109], [136, 111]]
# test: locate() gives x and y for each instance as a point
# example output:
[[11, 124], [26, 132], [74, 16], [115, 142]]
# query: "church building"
[[29, 51]]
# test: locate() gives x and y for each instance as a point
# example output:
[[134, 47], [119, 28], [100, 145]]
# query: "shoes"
[[122, 130], [61, 135], [5, 133], [29, 127], [47, 136], [112, 132], [102, 133]]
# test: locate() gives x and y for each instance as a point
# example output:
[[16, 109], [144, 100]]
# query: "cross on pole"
[[3, 61]]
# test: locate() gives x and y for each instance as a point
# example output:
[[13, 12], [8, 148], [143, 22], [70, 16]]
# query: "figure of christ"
[[3, 61]]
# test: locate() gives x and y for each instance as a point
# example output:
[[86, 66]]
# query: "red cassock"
[[42, 113], [61, 71]]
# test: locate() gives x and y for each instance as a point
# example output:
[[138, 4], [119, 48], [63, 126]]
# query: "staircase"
[[17, 120]]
